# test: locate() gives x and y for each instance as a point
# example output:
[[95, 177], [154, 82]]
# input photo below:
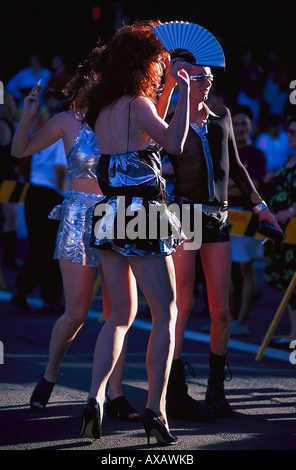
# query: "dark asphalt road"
[[262, 393]]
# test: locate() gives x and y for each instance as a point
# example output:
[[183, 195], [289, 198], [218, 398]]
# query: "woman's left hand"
[[269, 217]]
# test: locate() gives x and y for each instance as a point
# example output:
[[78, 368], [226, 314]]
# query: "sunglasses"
[[201, 78], [291, 131]]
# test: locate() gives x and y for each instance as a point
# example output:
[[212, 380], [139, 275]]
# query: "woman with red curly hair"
[[122, 110], [78, 261]]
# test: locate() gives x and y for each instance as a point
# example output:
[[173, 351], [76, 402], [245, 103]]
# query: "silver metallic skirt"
[[74, 232], [133, 226], [132, 219]]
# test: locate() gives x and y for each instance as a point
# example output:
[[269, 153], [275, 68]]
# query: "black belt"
[[188, 200]]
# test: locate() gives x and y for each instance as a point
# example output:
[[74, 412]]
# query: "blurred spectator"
[[250, 79], [218, 96], [245, 249], [22, 83], [274, 143], [276, 88], [58, 79], [280, 258], [9, 170], [47, 186]]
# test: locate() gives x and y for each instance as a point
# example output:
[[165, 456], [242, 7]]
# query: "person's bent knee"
[[165, 315], [75, 318], [221, 318]]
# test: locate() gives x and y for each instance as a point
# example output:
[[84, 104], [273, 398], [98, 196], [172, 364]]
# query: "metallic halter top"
[[84, 155]]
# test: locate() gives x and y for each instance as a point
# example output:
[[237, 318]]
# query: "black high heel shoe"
[[41, 394], [152, 423], [91, 420]]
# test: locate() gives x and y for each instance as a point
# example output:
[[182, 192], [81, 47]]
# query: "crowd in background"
[[265, 90]]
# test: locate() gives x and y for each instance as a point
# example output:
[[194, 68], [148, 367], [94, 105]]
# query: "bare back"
[[117, 127]]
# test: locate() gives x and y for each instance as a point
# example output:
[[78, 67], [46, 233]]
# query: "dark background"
[[52, 27]]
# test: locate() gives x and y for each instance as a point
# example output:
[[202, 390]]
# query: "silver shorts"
[[74, 232]]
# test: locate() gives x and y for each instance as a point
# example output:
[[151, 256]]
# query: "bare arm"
[[163, 102], [172, 137], [24, 145]]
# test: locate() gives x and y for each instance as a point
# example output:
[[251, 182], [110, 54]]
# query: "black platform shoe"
[[121, 408], [41, 394]]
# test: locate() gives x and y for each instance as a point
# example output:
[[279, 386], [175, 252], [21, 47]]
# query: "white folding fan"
[[181, 38]]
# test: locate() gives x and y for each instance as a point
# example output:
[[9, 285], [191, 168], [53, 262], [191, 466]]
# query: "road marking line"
[[191, 335]]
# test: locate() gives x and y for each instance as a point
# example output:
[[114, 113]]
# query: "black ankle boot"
[[215, 395], [181, 405]]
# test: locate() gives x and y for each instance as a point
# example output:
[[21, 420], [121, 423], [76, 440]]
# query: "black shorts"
[[215, 226]]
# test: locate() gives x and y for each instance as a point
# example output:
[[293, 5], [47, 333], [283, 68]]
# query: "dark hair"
[[242, 109], [128, 65], [75, 88], [183, 54]]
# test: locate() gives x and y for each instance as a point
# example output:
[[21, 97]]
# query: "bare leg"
[[159, 291], [156, 278], [78, 287], [179, 403], [248, 291], [184, 262], [123, 291], [115, 379], [216, 261]]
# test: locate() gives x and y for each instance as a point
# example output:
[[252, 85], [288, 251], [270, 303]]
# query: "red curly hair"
[[130, 64]]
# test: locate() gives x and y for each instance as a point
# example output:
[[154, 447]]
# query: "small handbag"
[[269, 231]]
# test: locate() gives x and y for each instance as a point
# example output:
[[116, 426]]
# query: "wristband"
[[260, 207]]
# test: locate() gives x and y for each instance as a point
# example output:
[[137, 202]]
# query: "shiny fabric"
[[134, 173], [84, 155], [74, 232], [215, 226], [134, 191]]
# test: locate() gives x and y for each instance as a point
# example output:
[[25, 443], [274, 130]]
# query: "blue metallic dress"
[[133, 218], [75, 213]]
